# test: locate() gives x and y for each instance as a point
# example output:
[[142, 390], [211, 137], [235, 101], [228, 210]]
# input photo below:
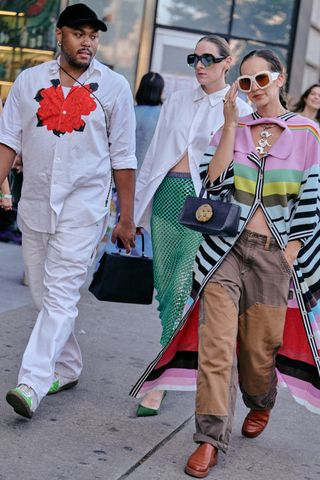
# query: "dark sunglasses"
[[206, 59]]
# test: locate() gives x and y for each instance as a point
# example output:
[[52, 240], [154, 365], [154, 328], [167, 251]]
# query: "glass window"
[[170, 58], [175, 60], [263, 20], [27, 37], [207, 15], [118, 47], [28, 26]]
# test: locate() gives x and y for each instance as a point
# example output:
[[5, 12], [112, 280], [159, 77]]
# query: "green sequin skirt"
[[174, 250]]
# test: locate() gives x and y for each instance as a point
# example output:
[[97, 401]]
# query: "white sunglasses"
[[261, 79]]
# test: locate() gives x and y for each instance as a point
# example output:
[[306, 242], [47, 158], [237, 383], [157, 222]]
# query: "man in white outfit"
[[72, 119]]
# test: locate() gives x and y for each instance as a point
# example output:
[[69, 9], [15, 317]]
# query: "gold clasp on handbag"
[[204, 213]]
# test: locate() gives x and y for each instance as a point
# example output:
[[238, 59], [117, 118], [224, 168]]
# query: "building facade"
[[157, 35]]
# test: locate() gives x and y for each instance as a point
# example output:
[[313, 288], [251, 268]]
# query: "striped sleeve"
[[225, 179], [224, 182], [306, 212], [205, 161]]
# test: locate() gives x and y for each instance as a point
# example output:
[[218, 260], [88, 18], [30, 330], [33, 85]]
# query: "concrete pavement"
[[91, 432]]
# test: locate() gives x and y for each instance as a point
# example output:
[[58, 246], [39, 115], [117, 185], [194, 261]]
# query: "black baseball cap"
[[79, 14]]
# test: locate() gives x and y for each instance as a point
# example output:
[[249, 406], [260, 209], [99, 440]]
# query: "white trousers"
[[56, 266]]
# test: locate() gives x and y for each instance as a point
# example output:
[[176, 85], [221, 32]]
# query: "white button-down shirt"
[[188, 120], [67, 153]]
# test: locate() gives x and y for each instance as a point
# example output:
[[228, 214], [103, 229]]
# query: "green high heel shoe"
[[147, 411]]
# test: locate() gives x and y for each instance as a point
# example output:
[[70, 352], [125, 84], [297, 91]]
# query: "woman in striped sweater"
[[270, 162]]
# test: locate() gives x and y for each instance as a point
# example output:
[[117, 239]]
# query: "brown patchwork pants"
[[243, 308]]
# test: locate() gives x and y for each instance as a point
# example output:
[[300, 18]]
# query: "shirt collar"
[[284, 116], [282, 148], [213, 98], [55, 67]]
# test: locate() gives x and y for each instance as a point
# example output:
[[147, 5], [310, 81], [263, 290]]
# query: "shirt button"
[[64, 112]]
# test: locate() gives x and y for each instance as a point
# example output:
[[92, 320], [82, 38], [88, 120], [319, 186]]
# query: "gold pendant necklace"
[[263, 141]]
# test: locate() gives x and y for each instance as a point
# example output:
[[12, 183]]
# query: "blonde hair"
[[221, 43]]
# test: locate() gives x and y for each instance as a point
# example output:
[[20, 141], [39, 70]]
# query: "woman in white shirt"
[[169, 173]]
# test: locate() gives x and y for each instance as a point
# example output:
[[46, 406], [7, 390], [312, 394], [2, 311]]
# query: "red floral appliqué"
[[64, 115]]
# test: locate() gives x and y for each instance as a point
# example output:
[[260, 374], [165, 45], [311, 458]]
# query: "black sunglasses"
[[206, 59]]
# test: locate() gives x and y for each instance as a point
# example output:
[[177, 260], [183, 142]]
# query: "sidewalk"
[[13, 293], [91, 432]]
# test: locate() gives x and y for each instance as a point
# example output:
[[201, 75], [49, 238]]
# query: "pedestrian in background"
[[72, 119], [309, 103], [170, 172], [147, 110]]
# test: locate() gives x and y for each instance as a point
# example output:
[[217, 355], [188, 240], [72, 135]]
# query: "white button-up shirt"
[[66, 150], [188, 120]]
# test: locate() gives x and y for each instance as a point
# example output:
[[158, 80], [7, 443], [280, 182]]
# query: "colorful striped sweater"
[[285, 185]]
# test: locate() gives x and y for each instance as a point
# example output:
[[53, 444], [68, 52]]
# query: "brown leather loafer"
[[255, 422], [200, 462]]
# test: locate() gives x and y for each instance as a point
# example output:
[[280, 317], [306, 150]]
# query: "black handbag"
[[211, 217], [124, 278]]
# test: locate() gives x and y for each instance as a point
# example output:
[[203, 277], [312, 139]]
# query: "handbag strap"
[[225, 197], [91, 93], [104, 113], [142, 243], [202, 192]]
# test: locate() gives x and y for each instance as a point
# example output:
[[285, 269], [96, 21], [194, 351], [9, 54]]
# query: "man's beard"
[[73, 62]]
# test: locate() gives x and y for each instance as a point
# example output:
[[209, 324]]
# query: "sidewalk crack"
[[154, 449]]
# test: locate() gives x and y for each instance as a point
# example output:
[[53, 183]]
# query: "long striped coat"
[[285, 185]]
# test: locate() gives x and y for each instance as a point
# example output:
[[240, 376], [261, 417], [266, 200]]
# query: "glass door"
[[169, 58]]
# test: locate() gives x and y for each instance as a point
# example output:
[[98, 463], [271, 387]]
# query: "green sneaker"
[[23, 399], [61, 383]]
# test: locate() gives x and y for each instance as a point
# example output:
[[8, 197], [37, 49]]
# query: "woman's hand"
[[230, 109], [291, 251]]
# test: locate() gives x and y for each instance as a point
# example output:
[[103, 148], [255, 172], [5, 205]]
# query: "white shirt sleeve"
[[10, 118], [152, 158], [122, 131]]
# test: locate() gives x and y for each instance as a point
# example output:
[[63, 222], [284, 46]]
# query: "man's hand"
[[6, 202], [125, 231]]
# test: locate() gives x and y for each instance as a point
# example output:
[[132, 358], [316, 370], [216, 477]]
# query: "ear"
[[58, 35], [228, 62], [281, 80]]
